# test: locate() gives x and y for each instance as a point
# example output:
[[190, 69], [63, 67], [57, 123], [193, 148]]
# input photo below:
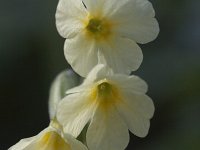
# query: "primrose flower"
[[106, 32], [49, 139], [110, 104]]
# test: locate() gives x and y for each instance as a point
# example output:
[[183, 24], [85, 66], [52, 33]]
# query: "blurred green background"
[[31, 55]]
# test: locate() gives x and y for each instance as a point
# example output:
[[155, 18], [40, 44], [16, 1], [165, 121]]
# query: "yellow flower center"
[[94, 26], [98, 28], [104, 89], [52, 141], [106, 94]]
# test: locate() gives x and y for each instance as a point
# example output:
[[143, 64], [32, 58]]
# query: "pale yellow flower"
[[105, 31], [111, 104], [49, 139]]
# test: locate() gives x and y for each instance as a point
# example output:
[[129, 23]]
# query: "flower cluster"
[[101, 45]]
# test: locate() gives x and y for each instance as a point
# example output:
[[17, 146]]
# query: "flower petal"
[[97, 73], [107, 131], [135, 20], [69, 16], [74, 113], [136, 110], [22, 144], [132, 84], [94, 6], [74, 144], [30, 143], [92, 76], [116, 7], [81, 53], [78, 89], [63, 81], [122, 55], [141, 30]]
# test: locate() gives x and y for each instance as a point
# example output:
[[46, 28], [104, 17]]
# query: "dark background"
[[31, 55]]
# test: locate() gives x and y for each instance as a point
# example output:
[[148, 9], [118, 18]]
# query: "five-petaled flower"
[[111, 104], [105, 31]]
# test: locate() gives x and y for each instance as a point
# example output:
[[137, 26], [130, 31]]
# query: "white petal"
[[74, 144], [92, 76], [81, 53], [78, 89], [133, 89], [74, 113], [64, 81], [99, 72], [69, 16], [135, 20], [115, 8], [123, 55], [141, 30], [132, 84], [22, 144], [107, 131], [29, 143], [94, 6], [136, 110]]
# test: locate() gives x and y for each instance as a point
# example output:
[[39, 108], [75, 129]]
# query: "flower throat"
[[98, 28]]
